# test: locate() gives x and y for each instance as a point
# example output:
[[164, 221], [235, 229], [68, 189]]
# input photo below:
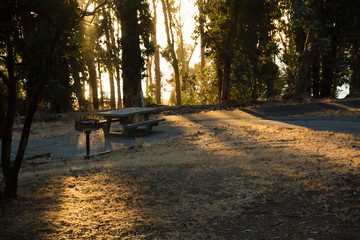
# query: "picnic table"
[[126, 117]]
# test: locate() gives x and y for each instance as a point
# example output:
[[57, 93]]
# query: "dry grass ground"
[[217, 181], [45, 129]]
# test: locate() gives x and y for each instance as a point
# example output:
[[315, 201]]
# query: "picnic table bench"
[[126, 117]]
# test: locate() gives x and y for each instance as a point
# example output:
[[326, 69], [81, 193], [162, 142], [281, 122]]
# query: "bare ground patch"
[[217, 181]]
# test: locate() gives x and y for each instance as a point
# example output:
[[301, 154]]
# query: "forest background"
[[250, 50], [54, 55]]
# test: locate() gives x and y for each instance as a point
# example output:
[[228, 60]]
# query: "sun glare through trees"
[[202, 52], [247, 94]]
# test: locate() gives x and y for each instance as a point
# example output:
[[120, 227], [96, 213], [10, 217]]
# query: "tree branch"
[[82, 15], [191, 54]]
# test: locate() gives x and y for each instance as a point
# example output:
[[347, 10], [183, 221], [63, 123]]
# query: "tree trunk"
[[8, 170], [329, 66], [132, 61], [100, 86], [355, 66], [93, 81], [11, 172], [201, 29], [255, 77], [109, 63], [316, 73], [302, 81], [270, 90], [157, 75], [182, 57], [156, 58], [79, 90], [112, 90], [2, 115], [118, 87], [149, 80], [327, 77], [220, 77], [171, 44], [229, 49], [117, 67]]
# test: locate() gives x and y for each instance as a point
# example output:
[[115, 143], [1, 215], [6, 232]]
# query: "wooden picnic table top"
[[126, 112]]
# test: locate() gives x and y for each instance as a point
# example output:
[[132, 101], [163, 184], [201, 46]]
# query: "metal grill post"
[[87, 143], [87, 126]]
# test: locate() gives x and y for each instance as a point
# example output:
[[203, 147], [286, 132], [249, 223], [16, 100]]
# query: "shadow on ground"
[[73, 145]]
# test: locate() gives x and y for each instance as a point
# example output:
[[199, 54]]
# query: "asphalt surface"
[[72, 145], [340, 125], [287, 114], [298, 109]]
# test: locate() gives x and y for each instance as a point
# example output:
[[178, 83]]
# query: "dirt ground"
[[217, 181]]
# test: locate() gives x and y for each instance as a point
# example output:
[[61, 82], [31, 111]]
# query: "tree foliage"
[[30, 34], [265, 49]]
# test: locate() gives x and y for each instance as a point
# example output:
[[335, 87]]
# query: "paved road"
[[342, 125], [288, 110], [72, 145], [285, 116]]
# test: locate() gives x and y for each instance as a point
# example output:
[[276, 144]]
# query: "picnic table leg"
[[130, 119], [128, 132], [149, 128], [146, 117], [108, 124]]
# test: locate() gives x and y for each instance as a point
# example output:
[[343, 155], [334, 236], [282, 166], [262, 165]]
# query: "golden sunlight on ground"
[[219, 180], [87, 204], [276, 145], [56, 128]]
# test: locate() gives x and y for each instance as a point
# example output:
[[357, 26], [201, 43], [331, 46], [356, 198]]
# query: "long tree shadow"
[[292, 200], [217, 181]]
